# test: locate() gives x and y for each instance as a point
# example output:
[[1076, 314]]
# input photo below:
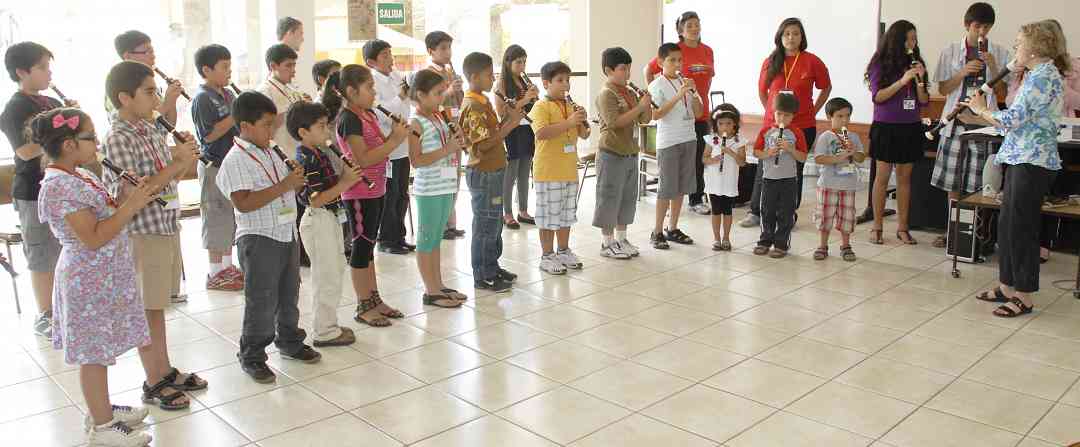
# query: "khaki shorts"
[[157, 268], [218, 219]]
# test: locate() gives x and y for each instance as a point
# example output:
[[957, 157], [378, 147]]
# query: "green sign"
[[391, 13]]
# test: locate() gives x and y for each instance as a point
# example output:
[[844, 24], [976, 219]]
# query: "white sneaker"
[[117, 434], [550, 263], [130, 416], [569, 259], [613, 251], [750, 221], [43, 324], [701, 208], [628, 248]]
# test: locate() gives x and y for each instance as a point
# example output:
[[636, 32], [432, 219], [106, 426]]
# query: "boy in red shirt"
[[778, 149]]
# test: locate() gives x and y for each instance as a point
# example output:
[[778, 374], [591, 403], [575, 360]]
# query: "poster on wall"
[[361, 19]]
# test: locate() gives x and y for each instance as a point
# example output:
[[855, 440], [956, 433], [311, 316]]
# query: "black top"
[[13, 121], [320, 175], [349, 123], [208, 107]]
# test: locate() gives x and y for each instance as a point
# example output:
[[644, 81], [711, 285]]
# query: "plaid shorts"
[[556, 204], [948, 174], [835, 209]]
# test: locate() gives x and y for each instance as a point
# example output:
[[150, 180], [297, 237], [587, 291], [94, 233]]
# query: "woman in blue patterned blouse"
[[1031, 153]]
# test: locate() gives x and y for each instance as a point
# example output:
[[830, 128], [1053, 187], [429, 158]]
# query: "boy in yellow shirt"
[[557, 125]]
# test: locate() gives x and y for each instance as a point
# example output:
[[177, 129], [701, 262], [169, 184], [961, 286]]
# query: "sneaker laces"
[[122, 428], [122, 409]]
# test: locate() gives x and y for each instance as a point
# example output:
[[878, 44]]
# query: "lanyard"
[[368, 118], [439, 124], [622, 91], [276, 178], [149, 146], [282, 91], [108, 199], [787, 72], [685, 105], [564, 108]]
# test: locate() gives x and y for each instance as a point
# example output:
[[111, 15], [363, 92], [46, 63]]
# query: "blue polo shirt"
[[208, 107]]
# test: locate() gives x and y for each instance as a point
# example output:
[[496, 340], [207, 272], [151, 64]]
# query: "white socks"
[[608, 239], [620, 235], [227, 261], [216, 267]]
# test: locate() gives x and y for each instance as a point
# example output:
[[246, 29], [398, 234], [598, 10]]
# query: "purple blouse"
[[892, 110]]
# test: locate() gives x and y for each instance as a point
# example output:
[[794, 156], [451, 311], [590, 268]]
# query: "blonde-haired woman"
[[1031, 155]]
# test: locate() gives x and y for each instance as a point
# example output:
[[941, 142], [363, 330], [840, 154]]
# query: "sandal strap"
[[156, 391], [368, 304]]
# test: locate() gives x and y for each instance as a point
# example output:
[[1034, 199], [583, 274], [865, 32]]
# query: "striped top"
[[439, 177]]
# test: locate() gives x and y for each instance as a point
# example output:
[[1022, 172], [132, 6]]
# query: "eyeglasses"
[[87, 137]]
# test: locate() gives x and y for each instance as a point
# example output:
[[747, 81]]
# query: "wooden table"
[[977, 201]]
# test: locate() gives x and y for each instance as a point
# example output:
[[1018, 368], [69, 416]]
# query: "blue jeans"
[[487, 196]]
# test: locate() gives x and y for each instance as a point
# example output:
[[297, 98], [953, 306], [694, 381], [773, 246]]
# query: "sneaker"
[[506, 275], [628, 248], [178, 299], [407, 245], [569, 259], [614, 251], [259, 372], [130, 416], [658, 241], [550, 263], [117, 434], [701, 208], [750, 220], [235, 272], [43, 324], [305, 354], [224, 280], [497, 285]]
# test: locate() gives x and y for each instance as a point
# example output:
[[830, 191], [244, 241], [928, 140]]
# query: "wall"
[[941, 23], [843, 33]]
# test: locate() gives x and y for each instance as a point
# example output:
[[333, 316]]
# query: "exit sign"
[[391, 13]]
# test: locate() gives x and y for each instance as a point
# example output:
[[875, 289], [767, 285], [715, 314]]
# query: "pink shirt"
[[1071, 106]]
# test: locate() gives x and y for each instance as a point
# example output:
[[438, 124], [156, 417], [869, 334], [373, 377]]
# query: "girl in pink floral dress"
[[97, 311]]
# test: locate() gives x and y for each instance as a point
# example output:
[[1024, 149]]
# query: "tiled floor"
[[687, 347]]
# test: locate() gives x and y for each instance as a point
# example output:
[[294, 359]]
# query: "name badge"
[[524, 122], [569, 148], [846, 169], [455, 112], [172, 201], [909, 104], [448, 173], [341, 216], [286, 215]]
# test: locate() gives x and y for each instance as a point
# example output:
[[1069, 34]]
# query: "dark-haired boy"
[[484, 175], [320, 225], [616, 161], [135, 46], [558, 127], [215, 130], [322, 70], [262, 188], [391, 96], [837, 151], [27, 64], [138, 146], [676, 144], [961, 70], [440, 48], [778, 149]]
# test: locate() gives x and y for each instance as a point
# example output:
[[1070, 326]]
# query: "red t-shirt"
[[697, 64], [800, 139], [801, 74]]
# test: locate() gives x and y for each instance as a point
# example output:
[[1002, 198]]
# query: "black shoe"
[[658, 241], [393, 249], [505, 275], [259, 372], [450, 234], [408, 246], [306, 355], [459, 233], [495, 285]]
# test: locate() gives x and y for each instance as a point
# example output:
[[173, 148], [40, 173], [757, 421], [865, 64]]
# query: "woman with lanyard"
[[697, 65], [1031, 157], [790, 69], [897, 81]]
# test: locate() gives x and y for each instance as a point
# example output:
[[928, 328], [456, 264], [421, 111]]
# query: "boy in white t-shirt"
[[724, 154], [676, 144], [837, 152]]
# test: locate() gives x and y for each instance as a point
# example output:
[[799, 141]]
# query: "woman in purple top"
[[897, 81]]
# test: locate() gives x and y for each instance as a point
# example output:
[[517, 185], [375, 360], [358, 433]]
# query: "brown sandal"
[[392, 313], [366, 305], [875, 237], [847, 253], [442, 301], [1004, 311], [940, 242], [910, 240], [821, 253]]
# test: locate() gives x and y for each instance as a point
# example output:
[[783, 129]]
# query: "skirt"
[[897, 142], [520, 143]]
